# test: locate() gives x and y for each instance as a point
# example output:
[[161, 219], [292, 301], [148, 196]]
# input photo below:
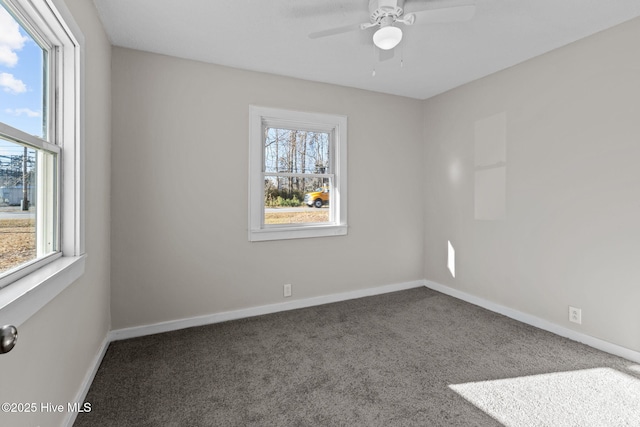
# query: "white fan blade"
[[334, 31], [445, 15]]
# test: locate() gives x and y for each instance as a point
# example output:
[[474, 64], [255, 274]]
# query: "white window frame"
[[38, 283], [336, 125]]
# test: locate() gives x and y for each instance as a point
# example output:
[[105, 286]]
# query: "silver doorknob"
[[8, 338]]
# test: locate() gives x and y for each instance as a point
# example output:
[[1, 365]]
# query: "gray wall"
[[571, 230], [566, 234], [180, 204], [58, 345]]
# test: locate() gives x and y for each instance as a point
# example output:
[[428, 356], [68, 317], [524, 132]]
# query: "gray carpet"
[[409, 358]]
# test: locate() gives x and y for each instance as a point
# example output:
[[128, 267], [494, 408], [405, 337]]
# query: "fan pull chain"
[[374, 55]]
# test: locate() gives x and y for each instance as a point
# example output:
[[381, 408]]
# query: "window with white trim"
[[298, 174], [40, 157]]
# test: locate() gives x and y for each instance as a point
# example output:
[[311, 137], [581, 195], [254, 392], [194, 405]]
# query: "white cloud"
[[7, 56], [10, 84], [22, 111], [10, 39]]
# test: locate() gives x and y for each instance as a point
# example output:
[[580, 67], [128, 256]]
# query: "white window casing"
[[336, 126]]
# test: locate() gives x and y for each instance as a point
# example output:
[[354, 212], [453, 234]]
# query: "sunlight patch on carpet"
[[591, 397]]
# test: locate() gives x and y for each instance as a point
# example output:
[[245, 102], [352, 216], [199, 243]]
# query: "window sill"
[[284, 233], [23, 298]]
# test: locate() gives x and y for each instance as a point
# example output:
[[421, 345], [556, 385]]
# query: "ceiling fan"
[[386, 14]]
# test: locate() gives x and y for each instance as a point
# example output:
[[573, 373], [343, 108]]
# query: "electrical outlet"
[[287, 290], [575, 315]]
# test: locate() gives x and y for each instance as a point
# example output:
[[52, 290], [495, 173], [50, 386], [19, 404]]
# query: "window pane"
[[22, 77], [296, 151], [17, 214], [27, 205], [296, 200]]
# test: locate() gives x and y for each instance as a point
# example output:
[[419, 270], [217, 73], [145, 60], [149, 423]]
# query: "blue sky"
[[21, 80]]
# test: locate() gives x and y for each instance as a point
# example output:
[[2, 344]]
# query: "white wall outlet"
[[287, 290], [575, 315]]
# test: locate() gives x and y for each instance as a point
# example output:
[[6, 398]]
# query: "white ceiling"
[[272, 36]]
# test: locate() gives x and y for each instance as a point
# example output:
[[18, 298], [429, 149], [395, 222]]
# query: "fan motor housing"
[[379, 9]]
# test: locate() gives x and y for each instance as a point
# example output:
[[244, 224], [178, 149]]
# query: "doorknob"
[[8, 338]]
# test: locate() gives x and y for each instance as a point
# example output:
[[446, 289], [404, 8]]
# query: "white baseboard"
[[172, 325], [70, 418], [537, 322]]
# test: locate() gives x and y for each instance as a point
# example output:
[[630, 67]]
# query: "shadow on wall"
[[491, 168]]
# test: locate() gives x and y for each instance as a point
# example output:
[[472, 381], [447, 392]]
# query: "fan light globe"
[[387, 37]]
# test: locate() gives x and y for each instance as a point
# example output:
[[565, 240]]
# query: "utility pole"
[[25, 192]]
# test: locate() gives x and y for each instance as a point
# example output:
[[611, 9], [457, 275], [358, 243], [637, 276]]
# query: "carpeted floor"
[[400, 359]]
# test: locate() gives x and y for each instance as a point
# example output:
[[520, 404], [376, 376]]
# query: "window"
[[41, 182], [298, 174], [28, 158]]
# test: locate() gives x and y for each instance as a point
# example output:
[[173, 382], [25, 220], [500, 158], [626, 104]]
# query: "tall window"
[[38, 127], [298, 174]]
